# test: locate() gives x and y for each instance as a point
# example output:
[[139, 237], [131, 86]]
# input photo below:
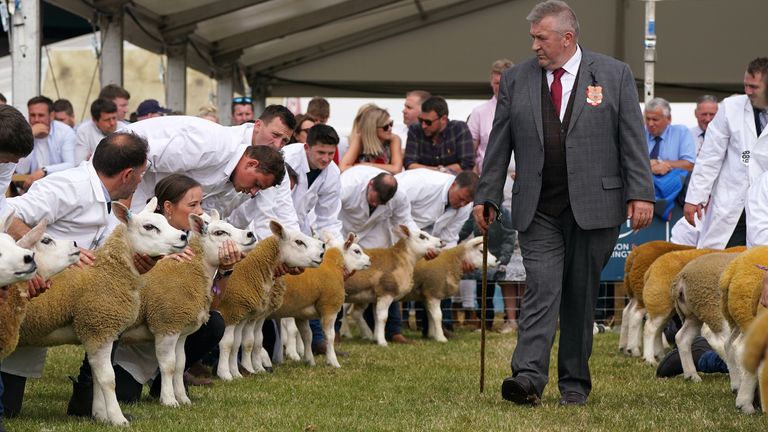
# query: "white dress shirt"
[[56, 152], [88, 137], [568, 79]]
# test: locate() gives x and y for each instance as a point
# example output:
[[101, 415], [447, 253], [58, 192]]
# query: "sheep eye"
[[300, 243], [46, 241], [220, 233], [422, 236], [357, 251], [150, 227]]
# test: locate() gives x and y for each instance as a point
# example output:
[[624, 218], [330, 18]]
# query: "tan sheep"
[[319, 293], [95, 304], [439, 278], [741, 285], [755, 353], [658, 299], [247, 296], [696, 292], [637, 263], [388, 279]]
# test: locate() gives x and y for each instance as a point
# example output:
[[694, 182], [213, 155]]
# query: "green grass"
[[424, 386]]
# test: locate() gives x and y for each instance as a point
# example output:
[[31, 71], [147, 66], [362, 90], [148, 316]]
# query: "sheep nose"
[[29, 258], [249, 235], [321, 255], [74, 243], [183, 237]]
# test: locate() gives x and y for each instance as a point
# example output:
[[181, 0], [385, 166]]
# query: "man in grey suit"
[[573, 120]]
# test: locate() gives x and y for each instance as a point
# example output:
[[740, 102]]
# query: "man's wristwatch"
[[44, 170], [221, 274]]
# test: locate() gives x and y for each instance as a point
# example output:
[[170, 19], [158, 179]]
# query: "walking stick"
[[486, 214]]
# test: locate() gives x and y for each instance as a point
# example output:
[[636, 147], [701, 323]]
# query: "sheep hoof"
[[442, 339], [225, 376], [652, 362], [694, 378], [269, 369], [185, 401], [293, 357], [334, 364], [169, 403], [746, 408], [635, 352]]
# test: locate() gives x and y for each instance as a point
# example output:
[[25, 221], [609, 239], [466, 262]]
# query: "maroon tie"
[[557, 89]]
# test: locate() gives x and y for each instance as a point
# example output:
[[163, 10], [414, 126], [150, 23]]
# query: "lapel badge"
[[594, 95]]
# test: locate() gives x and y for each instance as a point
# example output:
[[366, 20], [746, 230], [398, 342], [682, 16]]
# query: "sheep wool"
[[12, 313], [741, 285], [440, 276], [391, 273], [321, 287], [639, 260], [756, 351]]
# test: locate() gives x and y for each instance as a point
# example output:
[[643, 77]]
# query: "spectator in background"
[[411, 112], [320, 109], [3, 100], [54, 142], [373, 143], [242, 110], [481, 119], [89, 134], [706, 108], [120, 97], [438, 143], [63, 112], [304, 123], [150, 108], [209, 112]]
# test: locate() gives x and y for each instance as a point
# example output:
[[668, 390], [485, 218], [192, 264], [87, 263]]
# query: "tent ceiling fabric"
[[375, 47]]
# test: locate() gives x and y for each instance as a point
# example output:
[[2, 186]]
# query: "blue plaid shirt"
[[454, 145]]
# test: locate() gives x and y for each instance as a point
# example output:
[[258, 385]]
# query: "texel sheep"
[[637, 263], [657, 296], [176, 299], [319, 293], [439, 278], [247, 295], [389, 278], [755, 353], [51, 256], [16, 263], [696, 292], [741, 285], [95, 304]]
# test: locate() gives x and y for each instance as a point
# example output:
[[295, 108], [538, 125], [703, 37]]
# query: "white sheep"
[[16, 263], [95, 304], [176, 299], [247, 295], [51, 257], [319, 293], [389, 278], [696, 292], [293, 344], [439, 278]]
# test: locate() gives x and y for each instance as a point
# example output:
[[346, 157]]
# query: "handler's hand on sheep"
[[37, 286], [184, 256], [144, 262], [229, 254], [87, 258], [467, 267], [283, 270]]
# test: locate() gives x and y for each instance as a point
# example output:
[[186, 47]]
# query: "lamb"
[[741, 285], [389, 278], [658, 299], [51, 256], [755, 352], [319, 293], [94, 305], [439, 278], [696, 292], [176, 298], [247, 295], [636, 265], [16, 263]]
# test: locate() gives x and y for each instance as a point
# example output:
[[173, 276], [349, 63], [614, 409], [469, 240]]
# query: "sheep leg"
[[264, 358], [225, 348], [306, 335], [328, 321], [248, 341], [357, 314], [382, 312], [746, 393], [288, 334], [257, 360], [345, 331], [165, 350], [233, 363], [684, 338], [635, 333], [652, 337], [625, 326], [178, 375], [435, 319], [104, 385], [763, 373], [734, 368]]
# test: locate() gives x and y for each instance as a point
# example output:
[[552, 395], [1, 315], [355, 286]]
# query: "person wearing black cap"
[[150, 108]]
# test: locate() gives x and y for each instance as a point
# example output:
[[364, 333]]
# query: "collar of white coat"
[[99, 190], [247, 139], [444, 192]]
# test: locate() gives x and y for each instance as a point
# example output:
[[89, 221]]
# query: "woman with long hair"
[[372, 141]]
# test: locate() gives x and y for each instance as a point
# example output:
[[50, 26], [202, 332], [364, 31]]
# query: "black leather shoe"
[[519, 390], [573, 399]]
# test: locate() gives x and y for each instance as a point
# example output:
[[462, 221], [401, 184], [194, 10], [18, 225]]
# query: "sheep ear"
[[33, 236], [8, 220], [197, 224], [277, 229], [122, 213], [405, 231], [151, 206], [475, 241], [351, 237], [215, 216]]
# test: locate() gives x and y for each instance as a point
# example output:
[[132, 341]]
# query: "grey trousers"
[[563, 264]]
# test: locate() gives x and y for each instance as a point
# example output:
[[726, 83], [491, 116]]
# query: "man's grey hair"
[[566, 18], [706, 98], [657, 103]]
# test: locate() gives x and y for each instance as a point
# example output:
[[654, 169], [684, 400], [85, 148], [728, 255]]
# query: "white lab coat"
[[199, 148], [322, 198], [427, 192], [273, 203], [374, 230], [683, 233], [6, 175], [75, 204], [757, 212], [731, 159]]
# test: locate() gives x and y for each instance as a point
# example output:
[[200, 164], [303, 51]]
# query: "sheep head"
[[16, 263], [297, 249], [51, 255], [473, 253], [215, 232], [354, 257], [420, 242], [149, 232]]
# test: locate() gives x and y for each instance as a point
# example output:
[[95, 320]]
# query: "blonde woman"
[[372, 141]]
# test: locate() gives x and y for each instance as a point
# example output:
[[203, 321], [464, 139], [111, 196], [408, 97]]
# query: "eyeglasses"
[[242, 99], [387, 126], [149, 165], [427, 121]]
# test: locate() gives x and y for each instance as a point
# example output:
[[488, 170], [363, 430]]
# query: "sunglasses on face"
[[387, 126], [242, 99], [427, 121]]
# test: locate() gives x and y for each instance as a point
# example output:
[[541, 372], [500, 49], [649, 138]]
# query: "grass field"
[[421, 387]]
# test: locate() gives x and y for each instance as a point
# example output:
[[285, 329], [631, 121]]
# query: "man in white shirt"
[[103, 122], [54, 142], [481, 119], [76, 203]]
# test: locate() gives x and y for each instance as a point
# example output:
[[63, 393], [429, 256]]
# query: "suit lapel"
[[580, 87], [534, 92]]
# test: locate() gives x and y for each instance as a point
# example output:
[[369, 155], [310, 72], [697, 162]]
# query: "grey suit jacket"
[[606, 152]]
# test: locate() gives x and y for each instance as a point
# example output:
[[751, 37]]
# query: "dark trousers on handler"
[[563, 264]]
